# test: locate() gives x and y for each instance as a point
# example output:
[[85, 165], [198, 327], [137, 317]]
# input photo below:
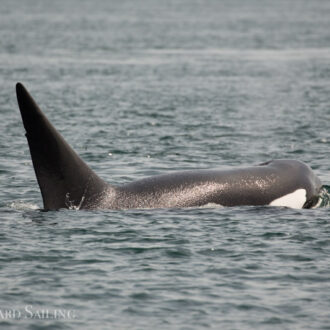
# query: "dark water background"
[[147, 87]]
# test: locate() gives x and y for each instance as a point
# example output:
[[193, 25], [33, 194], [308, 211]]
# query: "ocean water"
[[148, 87]]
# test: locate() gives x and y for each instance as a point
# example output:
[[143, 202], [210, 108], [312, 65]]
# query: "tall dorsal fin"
[[64, 178]]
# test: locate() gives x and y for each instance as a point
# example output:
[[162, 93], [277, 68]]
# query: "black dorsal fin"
[[64, 178]]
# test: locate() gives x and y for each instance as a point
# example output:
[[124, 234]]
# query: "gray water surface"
[[148, 87]]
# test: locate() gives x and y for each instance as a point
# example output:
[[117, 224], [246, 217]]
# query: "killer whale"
[[66, 181]]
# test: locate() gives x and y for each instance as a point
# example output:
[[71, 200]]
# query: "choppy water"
[[147, 87]]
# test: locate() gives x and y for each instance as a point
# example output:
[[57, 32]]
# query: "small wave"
[[19, 205]]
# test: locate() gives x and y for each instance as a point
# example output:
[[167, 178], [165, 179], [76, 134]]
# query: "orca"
[[66, 181]]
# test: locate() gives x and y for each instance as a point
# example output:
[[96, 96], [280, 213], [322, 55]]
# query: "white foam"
[[211, 205], [295, 200], [19, 205]]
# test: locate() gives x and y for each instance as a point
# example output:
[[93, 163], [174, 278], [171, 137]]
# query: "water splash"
[[324, 197], [70, 204]]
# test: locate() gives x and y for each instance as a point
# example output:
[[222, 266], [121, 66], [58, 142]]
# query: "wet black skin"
[[66, 181]]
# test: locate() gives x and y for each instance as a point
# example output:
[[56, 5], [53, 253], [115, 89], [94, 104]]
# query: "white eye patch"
[[295, 200]]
